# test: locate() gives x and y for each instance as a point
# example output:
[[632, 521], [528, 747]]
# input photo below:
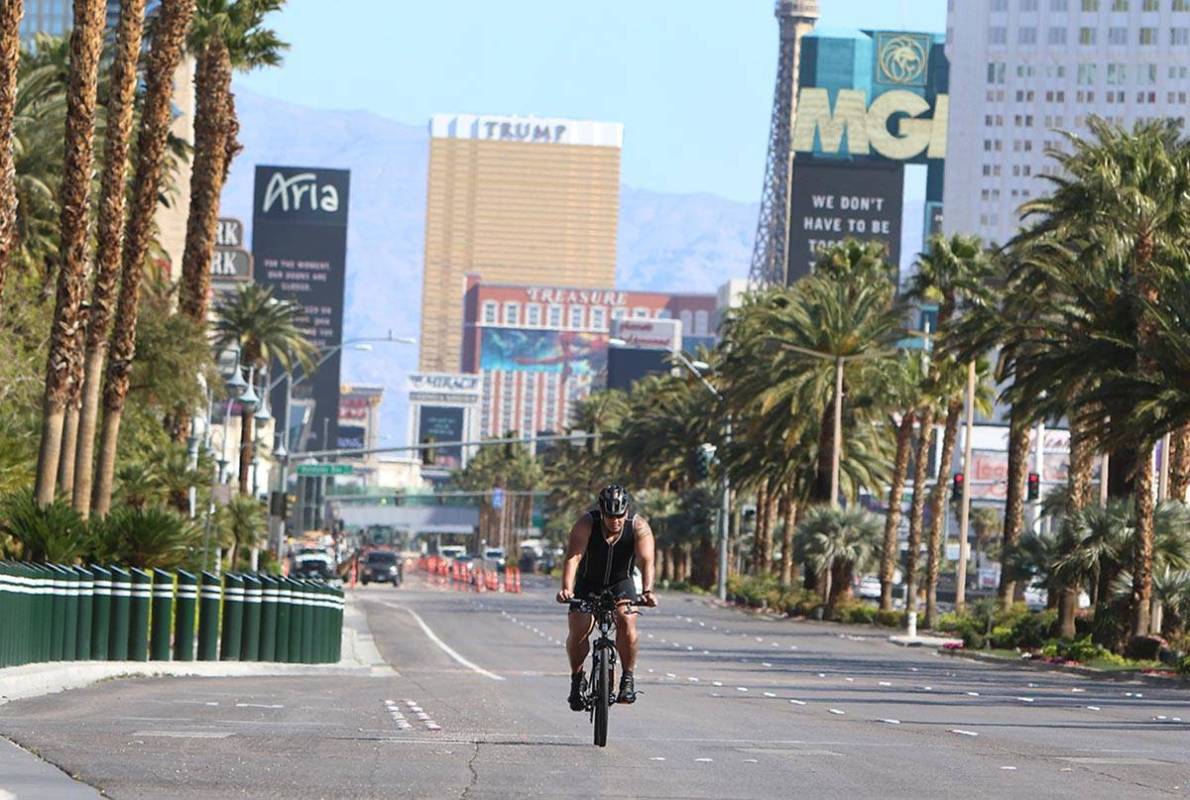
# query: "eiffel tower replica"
[[770, 257]]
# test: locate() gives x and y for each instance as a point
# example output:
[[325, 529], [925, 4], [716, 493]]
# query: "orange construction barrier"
[[512, 579]]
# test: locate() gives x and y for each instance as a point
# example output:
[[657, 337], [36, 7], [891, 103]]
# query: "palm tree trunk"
[[788, 523], [64, 361], [1142, 543], [770, 527], [1082, 464], [939, 511], [1014, 502], [1179, 473], [10, 52], [892, 521], [826, 447], [212, 90], [246, 448], [921, 464], [70, 430], [762, 496], [169, 33]]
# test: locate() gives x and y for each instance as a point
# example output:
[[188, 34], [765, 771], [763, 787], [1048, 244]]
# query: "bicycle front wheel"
[[603, 680]]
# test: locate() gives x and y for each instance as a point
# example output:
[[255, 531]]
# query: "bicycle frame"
[[603, 652]]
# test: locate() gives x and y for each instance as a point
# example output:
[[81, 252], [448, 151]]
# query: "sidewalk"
[[24, 775]]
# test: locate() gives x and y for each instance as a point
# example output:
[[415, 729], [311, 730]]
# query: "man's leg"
[[626, 638], [577, 648], [577, 641]]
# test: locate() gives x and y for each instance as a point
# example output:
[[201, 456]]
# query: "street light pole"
[[960, 597], [725, 498], [838, 439]]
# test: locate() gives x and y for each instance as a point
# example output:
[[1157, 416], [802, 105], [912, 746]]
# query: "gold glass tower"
[[520, 200]]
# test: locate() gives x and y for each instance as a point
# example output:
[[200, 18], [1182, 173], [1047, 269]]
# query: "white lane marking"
[[657, 758], [822, 674], [670, 675], [798, 702], [1009, 768], [692, 680], [1025, 699], [973, 694], [836, 711], [716, 683], [741, 688], [769, 694], [1092, 708], [927, 688], [186, 734], [751, 761], [259, 705], [765, 664], [890, 721], [883, 683], [447, 648], [706, 652], [962, 732], [703, 760], [1076, 690], [850, 680], [793, 647]]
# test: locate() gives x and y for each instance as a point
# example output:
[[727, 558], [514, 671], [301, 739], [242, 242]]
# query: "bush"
[[856, 614], [891, 619], [1144, 648], [1002, 637], [1032, 631], [752, 590]]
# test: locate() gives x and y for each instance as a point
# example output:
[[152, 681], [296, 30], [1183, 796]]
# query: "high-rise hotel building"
[[1021, 70], [515, 200]]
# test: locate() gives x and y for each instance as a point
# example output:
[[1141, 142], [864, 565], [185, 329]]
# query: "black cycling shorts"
[[624, 590]]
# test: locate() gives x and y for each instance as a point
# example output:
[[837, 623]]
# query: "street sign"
[[497, 498], [230, 264], [322, 470]]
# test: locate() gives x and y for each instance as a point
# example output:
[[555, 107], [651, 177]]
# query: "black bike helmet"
[[613, 500]]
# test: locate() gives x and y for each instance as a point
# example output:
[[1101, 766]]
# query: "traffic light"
[[1034, 486], [958, 484], [706, 457]]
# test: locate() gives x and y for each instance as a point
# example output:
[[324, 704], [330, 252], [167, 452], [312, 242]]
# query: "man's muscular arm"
[[644, 555], [575, 547]]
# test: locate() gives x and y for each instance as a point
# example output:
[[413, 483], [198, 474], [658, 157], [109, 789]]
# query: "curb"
[[1086, 672], [360, 657]]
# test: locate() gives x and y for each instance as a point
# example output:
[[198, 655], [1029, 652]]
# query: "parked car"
[[495, 557], [313, 565], [381, 566]]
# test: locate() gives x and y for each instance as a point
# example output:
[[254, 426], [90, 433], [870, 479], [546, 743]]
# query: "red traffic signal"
[[1034, 486], [958, 484]]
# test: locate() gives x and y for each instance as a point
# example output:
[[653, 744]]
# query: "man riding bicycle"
[[605, 544]]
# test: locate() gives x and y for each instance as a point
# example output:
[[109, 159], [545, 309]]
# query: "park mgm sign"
[[897, 122]]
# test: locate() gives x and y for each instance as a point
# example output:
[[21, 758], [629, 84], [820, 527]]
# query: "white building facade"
[[1022, 70]]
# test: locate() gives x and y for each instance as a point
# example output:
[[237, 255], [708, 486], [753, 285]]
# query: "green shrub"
[[1033, 630], [891, 619], [1184, 665], [1002, 637], [856, 614]]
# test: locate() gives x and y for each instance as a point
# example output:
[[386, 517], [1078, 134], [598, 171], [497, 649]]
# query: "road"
[[732, 706]]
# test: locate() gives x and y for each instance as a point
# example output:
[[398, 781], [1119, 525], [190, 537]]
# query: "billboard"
[[442, 424], [351, 437], [565, 352], [299, 247], [649, 334], [626, 366], [836, 201]]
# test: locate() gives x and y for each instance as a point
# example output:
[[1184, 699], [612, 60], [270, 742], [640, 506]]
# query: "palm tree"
[[10, 52], [109, 239], [837, 543], [86, 44], [147, 538], [226, 36], [169, 32], [1123, 193], [243, 521], [263, 329]]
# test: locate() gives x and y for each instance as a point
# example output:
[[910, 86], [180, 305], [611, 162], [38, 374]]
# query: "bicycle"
[[599, 697]]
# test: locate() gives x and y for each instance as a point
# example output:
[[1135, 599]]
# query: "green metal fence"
[[73, 613]]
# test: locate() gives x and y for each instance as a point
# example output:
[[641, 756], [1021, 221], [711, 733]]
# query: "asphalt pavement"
[[731, 705]]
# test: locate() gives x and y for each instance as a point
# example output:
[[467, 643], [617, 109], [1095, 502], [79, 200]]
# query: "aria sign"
[[867, 127]]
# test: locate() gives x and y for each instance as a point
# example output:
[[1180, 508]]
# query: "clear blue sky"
[[691, 80]]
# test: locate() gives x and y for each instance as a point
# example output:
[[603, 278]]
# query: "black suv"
[[381, 566]]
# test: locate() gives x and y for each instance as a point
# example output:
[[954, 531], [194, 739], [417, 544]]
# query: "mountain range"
[[666, 242]]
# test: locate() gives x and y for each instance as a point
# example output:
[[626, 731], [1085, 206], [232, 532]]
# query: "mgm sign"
[[896, 125]]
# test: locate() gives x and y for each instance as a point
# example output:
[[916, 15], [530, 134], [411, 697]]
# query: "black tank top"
[[604, 564]]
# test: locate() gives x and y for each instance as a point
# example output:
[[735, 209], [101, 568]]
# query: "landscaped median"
[[55, 612]]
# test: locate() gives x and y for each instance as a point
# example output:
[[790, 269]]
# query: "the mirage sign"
[[299, 247]]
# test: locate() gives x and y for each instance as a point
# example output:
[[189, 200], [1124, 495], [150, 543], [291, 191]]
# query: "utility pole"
[[960, 597]]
